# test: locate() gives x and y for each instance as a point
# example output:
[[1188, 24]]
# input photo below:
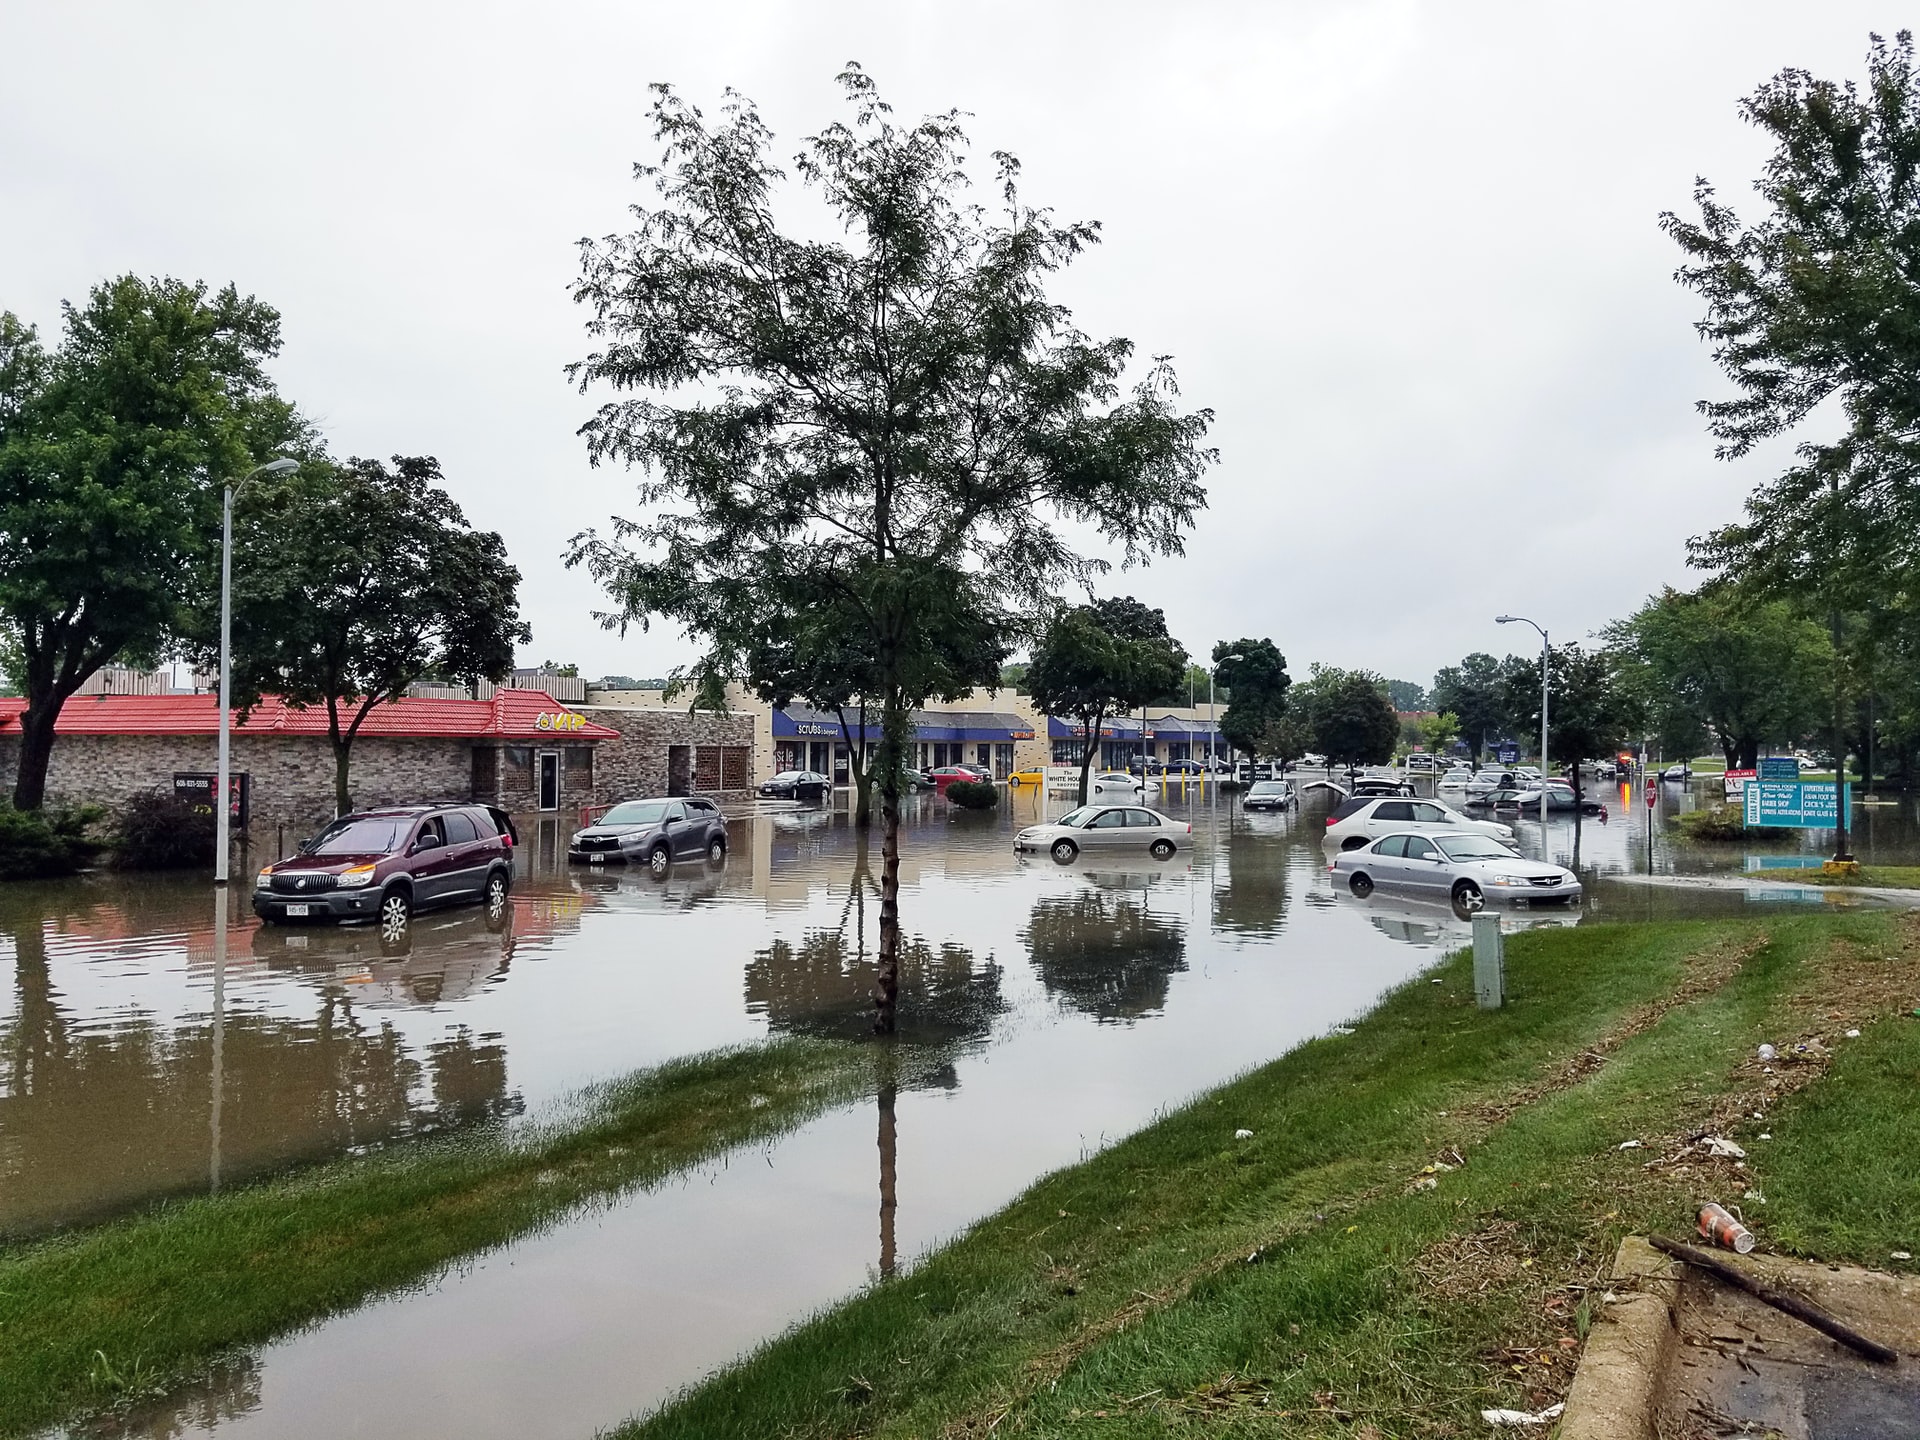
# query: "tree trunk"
[[1092, 727], [342, 757], [1730, 749], [36, 751], [886, 980], [1841, 849], [1749, 754]]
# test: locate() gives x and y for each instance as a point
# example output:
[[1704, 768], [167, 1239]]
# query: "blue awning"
[[801, 723]]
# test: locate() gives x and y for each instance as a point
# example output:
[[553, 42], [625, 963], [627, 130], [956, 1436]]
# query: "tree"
[[1014, 678], [113, 451], [1591, 713], [1258, 681], [1819, 302], [1351, 719], [1438, 732], [1474, 692], [554, 667], [1407, 695], [1100, 660], [892, 414], [353, 581], [1750, 671]]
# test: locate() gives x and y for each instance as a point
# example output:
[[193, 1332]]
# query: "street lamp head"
[[282, 466], [1225, 658], [1505, 619]]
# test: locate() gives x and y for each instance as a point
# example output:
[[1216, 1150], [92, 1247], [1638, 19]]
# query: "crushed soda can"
[[1717, 1225]]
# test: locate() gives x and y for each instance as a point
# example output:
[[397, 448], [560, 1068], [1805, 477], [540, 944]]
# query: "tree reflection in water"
[[1251, 897], [1104, 952]]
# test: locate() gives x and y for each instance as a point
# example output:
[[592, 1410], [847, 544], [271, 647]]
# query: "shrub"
[[36, 844], [159, 831], [1716, 822], [974, 794]]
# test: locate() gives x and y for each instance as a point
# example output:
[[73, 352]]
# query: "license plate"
[[296, 942], [296, 911], [596, 859]]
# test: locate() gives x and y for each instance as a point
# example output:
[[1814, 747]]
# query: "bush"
[[974, 794], [37, 844], [1716, 822], [159, 831]]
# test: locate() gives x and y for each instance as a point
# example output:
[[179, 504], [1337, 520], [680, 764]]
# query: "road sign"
[[1653, 794], [1801, 803], [1779, 767], [1736, 782], [1509, 754]]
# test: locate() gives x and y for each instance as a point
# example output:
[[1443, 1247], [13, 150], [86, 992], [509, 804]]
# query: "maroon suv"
[[385, 864]]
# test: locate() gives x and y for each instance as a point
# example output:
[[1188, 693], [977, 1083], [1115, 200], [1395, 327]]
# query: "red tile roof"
[[509, 715]]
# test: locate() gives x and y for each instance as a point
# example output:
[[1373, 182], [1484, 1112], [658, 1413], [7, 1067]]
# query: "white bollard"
[[1489, 962]]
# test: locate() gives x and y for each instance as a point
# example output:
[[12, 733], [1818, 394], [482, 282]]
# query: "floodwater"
[[1062, 1006]]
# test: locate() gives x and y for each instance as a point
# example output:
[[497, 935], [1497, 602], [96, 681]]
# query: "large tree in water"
[[878, 407]]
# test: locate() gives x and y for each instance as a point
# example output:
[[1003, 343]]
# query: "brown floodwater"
[[145, 1053]]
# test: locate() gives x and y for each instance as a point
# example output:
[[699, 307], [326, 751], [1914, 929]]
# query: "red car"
[[948, 774]]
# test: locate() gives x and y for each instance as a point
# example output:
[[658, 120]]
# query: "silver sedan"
[[1105, 830], [1467, 869]]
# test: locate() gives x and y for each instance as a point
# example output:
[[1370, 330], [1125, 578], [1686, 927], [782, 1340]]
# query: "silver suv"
[[657, 832]]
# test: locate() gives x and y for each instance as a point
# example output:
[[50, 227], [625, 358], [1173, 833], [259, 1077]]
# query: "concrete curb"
[[1617, 1385]]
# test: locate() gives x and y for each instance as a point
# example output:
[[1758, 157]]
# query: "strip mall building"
[[528, 752]]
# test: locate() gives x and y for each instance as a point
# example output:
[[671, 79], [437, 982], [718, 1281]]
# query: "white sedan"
[[1353, 823], [1105, 830]]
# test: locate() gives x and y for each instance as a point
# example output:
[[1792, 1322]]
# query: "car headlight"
[[1504, 880], [354, 876], [576, 837], [264, 879]]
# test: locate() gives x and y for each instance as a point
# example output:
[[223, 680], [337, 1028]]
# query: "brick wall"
[[292, 775], [635, 765]]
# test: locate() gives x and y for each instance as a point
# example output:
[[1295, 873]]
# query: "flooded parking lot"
[[1055, 1007]]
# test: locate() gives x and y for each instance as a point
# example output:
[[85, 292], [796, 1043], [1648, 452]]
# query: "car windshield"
[[1473, 847], [636, 812], [1075, 819], [373, 835], [787, 775], [1269, 787]]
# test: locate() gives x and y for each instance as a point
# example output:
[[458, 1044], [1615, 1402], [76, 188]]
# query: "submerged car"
[[386, 864], [656, 832], [1352, 823], [1106, 829], [1271, 795], [797, 785], [1469, 870]]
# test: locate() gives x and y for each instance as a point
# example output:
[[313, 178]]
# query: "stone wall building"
[[520, 749]]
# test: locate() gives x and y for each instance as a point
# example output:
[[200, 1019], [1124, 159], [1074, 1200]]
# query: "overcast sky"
[[1407, 253]]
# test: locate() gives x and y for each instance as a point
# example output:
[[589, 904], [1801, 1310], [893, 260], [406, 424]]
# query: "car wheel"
[[1467, 896], [1360, 883], [1353, 842], [1064, 851], [396, 913], [716, 850], [496, 891], [658, 859], [1162, 849]]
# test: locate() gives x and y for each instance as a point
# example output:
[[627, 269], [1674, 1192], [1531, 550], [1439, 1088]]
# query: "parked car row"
[[1467, 868]]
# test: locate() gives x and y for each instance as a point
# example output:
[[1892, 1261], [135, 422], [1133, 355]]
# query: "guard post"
[[1489, 962]]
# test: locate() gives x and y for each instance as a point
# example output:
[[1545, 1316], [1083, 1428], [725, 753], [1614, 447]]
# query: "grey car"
[[653, 832], [1468, 869]]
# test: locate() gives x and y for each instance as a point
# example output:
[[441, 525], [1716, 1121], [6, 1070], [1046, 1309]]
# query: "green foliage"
[[880, 416], [1014, 677], [1716, 822], [353, 581], [571, 672], [1258, 681], [39, 844], [159, 831], [1753, 672], [1592, 712], [1475, 693], [1407, 695], [974, 794], [1101, 659], [1438, 732], [113, 449], [1349, 715]]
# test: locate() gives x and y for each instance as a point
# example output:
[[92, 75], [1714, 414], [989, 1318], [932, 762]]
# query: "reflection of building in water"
[[1104, 952], [95, 1116], [824, 986]]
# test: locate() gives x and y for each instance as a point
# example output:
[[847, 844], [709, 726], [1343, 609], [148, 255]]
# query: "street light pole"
[[1546, 661], [221, 805]]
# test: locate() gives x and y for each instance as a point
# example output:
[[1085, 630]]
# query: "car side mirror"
[[300, 847], [426, 842]]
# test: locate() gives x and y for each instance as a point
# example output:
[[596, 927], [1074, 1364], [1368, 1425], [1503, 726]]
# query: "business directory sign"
[[1806, 804]]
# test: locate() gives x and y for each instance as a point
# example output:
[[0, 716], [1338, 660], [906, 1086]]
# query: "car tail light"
[[1332, 821], [1189, 829]]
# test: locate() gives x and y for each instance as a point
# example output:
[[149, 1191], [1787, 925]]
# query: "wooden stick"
[[1802, 1310]]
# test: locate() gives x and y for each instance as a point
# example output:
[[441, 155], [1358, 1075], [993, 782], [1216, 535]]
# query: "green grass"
[[1887, 877], [108, 1314], [1184, 1282]]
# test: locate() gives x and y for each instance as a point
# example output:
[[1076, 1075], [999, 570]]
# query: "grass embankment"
[[1886, 877], [111, 1313], [1327, 1271]]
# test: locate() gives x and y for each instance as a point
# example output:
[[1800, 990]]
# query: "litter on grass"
[[1243, 1134], [1523, 1417]]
